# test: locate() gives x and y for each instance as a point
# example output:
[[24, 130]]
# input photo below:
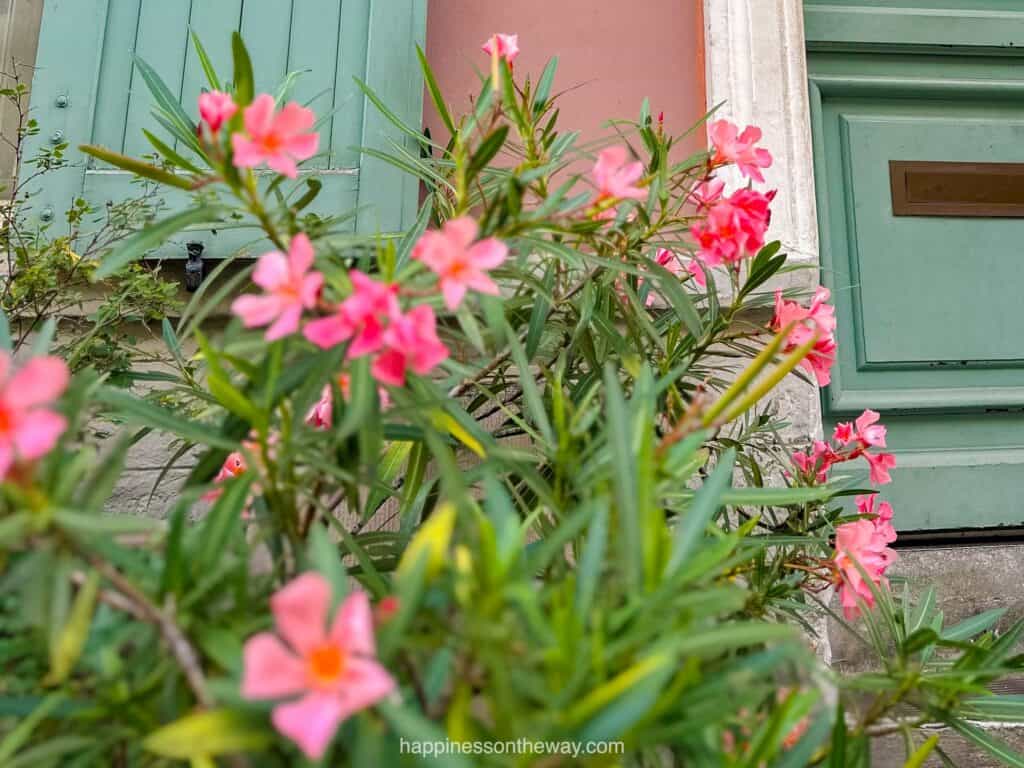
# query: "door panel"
[[329, 42], [929, 307]]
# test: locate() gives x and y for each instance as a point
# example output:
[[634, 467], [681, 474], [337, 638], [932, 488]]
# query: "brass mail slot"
[[922, 188]]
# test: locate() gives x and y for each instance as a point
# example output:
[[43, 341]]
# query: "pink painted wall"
[[611, 53]]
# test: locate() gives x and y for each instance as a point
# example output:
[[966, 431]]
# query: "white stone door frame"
[[756, 69]]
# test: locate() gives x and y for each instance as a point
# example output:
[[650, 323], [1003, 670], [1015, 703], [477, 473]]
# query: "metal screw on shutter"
[[46, 214], [61, 101], [57, 137]]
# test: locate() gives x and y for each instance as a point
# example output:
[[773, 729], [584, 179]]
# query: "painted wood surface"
[[929, 308], [85, 60]]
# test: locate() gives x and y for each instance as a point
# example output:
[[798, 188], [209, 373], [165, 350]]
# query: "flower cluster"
[[733, 226], [849, 441], [862, 549], [278, 139], [817, 321]]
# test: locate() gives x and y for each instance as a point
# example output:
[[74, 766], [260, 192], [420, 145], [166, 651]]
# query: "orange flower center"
[[6, 421], [271, 143], [326, 664]]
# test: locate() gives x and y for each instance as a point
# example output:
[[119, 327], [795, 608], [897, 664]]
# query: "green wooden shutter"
[[86, 90]]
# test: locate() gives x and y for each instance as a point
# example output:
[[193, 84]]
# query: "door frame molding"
[[756, 68]]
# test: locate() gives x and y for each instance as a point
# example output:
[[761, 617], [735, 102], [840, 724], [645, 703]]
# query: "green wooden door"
[[931, 303], [86, 90]]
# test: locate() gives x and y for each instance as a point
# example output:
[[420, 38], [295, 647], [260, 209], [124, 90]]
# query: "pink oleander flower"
[[818, 318], [733, 227], [882, 515], [330, 666], [879, 465], [234, 466], [707, 193], [458, 262], [321, 414], [503, 46], [278, 139], [216, 108], [819, 460], [28, 428], [361, 317], [615, 178], [865, 542], [697, 273], [731, 146], [290, 288], [410, 342]]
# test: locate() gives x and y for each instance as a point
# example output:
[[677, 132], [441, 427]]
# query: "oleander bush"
[[507, 488]]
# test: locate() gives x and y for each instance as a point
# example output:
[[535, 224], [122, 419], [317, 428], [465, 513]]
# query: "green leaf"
[[624, 478], [323, 555], [690, 529], [154, 235], [921, 754], [21, 732], [417, 729], [547, 77], [1007, 707], [167, 104], [154, 416], [435, 92], [677, 296], [919, 640], [44, 337], [996, 747], [488, 148], [313, 187], [531, 392], [222, 521], [207, 734], [87, 523], [539, 313], [6, 343], [206, 64], [71, 639], [170, 155], [243, 77], [138, 167], [973, 625], [592, 560]]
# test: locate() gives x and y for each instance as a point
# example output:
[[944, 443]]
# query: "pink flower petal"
[[389, 368], [352, 628], [453, 292], [283, 164], [303, 147], [259, 116], [461, 231], [255, 311], [328, 332], [488, 254], [245, 152], [37, 432], [310, 290], [293, 119], [365, 682], [271, 271], [286, 324], [41, 380], [270, 670], [300, 255], [310, 722], [300, 611]]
